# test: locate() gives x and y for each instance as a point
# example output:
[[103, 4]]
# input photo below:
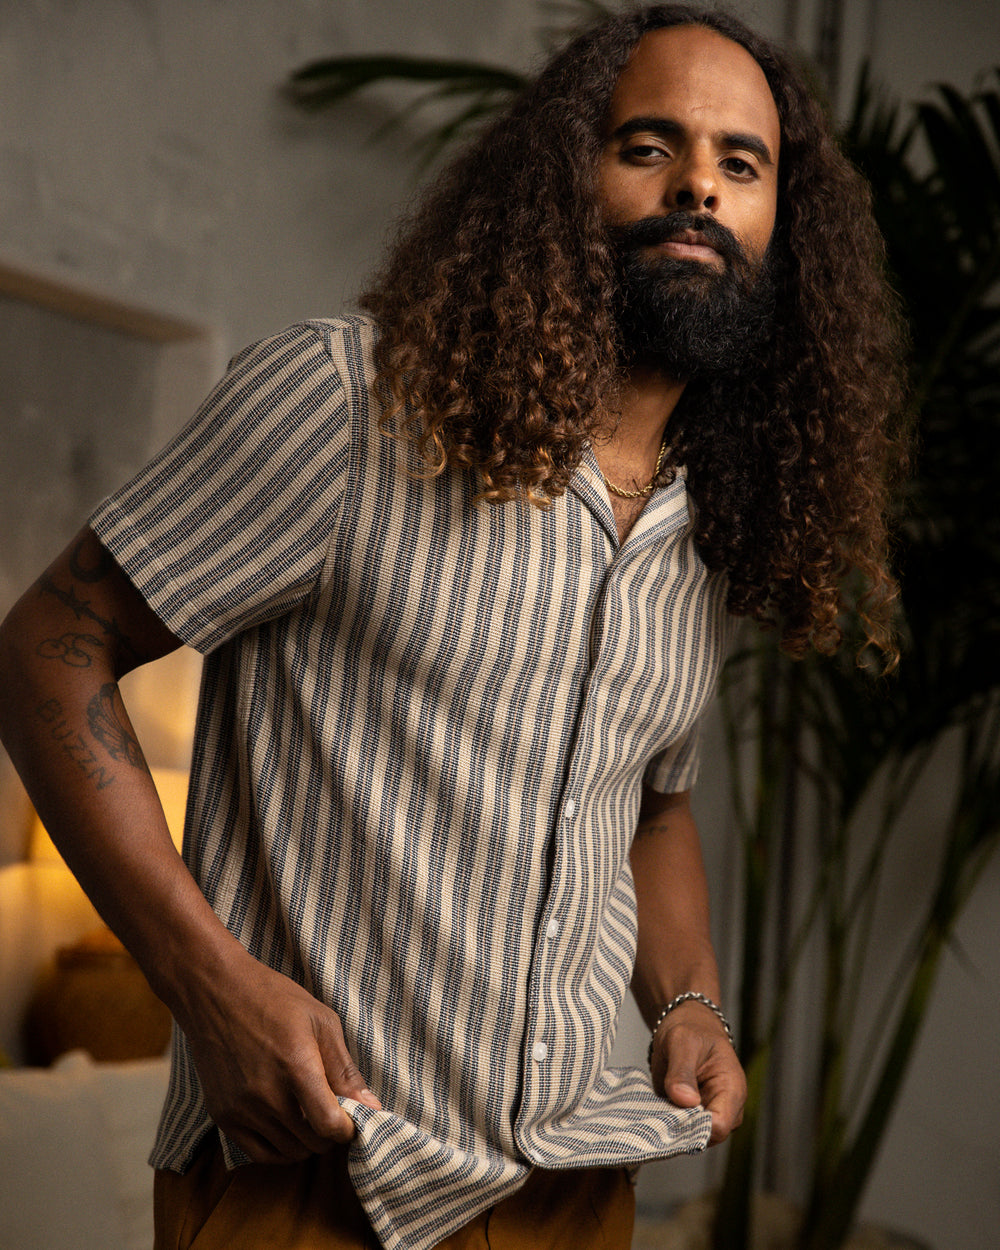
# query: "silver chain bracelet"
[[686, 997]]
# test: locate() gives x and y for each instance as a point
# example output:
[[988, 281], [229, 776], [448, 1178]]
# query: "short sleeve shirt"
[[424, 727]]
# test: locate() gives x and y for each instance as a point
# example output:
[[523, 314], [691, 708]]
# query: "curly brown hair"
[[498, 350]]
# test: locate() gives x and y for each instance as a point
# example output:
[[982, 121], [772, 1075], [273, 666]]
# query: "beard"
[[685, 316]]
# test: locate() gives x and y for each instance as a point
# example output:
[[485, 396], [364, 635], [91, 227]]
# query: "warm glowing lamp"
[[78, 986]]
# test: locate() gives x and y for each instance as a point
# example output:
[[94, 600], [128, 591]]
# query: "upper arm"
[[666, 849], [231, 525], [656, 806], [83, 609]]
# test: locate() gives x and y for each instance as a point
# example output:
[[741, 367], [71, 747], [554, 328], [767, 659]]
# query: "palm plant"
[[873, 736], [876, 738], [469, 91]]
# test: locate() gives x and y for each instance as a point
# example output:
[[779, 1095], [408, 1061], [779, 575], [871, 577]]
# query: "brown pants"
[[312, 1206]]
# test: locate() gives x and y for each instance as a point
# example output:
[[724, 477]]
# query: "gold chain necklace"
[[643, 491]]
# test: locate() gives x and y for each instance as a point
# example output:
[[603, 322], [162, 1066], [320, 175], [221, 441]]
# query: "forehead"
[[700, 78]]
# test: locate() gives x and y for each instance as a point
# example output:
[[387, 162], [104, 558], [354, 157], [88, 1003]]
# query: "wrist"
[[688, 996], [202, 963]]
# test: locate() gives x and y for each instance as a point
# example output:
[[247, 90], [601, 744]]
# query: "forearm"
[[109, 826], [692, 1059], [68, 734], [675, 952]]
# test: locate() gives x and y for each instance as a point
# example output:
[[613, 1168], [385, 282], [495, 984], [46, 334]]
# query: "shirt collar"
[[665, 511]]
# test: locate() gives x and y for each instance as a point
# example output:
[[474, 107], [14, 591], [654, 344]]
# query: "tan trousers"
[[312, 1206]]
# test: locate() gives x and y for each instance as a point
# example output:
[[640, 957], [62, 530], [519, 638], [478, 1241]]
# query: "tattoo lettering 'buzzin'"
[[73, 743], [108, 722]]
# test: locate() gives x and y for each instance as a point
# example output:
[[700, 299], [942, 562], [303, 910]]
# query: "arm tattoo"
[[80, 570], [71, 648], [645, 828], [82, 610], [73, 744], [106, 715], [79, 607], [108, 722]]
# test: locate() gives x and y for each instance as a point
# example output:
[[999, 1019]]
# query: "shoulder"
[[348, 341], [344, 341], [321, 366]]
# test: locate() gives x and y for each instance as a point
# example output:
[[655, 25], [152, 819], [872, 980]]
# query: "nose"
[[695, 184]]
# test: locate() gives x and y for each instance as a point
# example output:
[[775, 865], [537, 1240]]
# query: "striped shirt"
[[423, 730]]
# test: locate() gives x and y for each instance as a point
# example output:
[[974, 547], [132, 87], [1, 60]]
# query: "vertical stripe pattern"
[[423, 732]]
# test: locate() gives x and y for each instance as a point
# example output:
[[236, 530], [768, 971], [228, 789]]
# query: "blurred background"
[[163, 203]]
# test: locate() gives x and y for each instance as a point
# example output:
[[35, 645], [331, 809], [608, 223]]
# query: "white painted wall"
[[145, 154]]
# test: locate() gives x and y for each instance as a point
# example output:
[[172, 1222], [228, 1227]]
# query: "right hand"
[[272, 1060]]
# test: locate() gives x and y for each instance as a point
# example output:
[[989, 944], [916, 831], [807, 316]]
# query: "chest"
[[626, 513], [499, 611]]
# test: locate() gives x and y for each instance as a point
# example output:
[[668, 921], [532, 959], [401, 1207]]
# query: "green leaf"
[[322, 83]]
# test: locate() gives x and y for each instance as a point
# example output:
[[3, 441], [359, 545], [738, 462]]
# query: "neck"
[[629, 453], [648, 399]]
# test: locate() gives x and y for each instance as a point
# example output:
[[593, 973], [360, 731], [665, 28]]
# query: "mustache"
[[651, 231]]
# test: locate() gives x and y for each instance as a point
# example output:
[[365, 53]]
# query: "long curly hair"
[[499, 349]]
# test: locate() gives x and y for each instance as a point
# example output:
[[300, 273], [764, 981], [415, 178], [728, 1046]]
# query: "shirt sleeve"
[[229, 525], [677, 767]]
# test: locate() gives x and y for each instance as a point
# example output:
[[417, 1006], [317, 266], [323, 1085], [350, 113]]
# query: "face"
[[693, 128]]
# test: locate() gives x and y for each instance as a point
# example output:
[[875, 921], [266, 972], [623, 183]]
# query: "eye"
[[739, 167], [645, 153]]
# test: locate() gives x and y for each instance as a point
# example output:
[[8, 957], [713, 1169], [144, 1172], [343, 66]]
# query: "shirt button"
[[570, 809], [539, 1052], [552, 929]]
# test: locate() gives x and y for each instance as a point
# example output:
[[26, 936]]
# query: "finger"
[[680, 1081], [318, 1108], [313, 1141], [341, 1071], [271, 1116], [276, 1146], [327, 1071], [724, 1094], [285, 1135], [726, 1105]]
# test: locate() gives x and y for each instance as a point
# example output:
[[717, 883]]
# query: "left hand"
[[694, 1062]]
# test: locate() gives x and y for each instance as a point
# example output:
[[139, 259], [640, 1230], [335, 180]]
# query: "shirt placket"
[[570, 911]]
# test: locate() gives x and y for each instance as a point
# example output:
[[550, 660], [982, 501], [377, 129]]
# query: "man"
[[464, 583]]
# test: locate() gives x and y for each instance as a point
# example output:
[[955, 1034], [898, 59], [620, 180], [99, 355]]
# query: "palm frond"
[[874, 738], [486, 88], [324, 82]]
